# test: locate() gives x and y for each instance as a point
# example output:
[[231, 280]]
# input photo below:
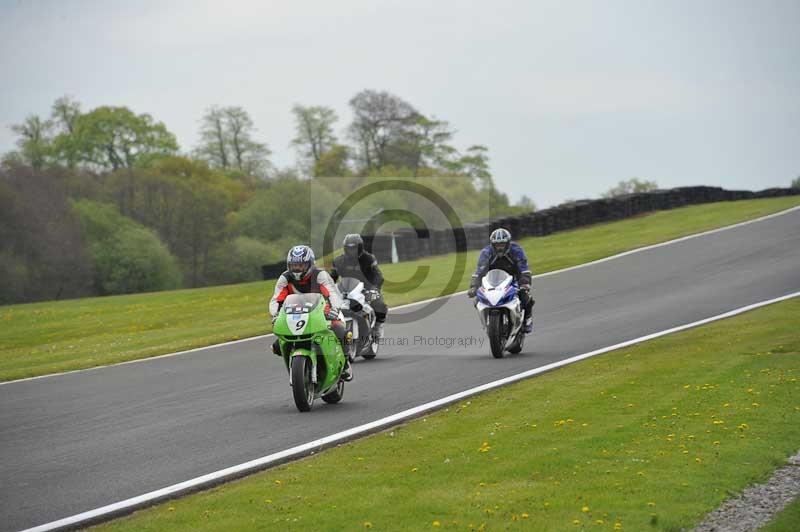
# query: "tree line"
[[104, 201]]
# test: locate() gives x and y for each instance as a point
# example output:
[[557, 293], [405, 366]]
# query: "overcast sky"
[[569, 97]]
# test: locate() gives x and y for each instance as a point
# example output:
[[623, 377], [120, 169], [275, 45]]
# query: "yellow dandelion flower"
[[651, 503], [524, 515], [367, 524], [716, 442], [436, 524], [414, 469], [576, 522], [171, 508], [617, 526], [585, 509]]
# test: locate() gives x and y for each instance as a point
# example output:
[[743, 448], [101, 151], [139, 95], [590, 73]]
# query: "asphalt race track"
[[71, 443]]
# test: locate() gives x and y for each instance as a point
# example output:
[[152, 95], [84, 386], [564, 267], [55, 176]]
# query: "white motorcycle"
[[501, 312], [359, 317]]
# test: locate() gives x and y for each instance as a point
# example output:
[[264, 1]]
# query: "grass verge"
[[50, 337], [651, 437], [788, 520]]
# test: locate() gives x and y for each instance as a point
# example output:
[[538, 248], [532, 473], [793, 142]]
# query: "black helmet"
[[353, 246], [299, 261], [500, 240]]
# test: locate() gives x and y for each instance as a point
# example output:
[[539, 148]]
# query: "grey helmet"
[[500, 239], [353, 246], [299, 261]]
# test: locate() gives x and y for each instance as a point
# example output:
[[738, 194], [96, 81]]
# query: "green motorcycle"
[[310, 349]]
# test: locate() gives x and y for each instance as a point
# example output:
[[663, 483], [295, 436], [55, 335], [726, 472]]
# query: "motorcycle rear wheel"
[[335, 395]]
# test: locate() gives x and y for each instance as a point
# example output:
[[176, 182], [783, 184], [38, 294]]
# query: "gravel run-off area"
[[758, 504]]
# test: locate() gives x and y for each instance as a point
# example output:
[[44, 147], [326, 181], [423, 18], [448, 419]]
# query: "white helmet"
[[500, 240], [299, 261]]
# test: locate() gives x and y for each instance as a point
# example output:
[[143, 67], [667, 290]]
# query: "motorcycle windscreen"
[[301, 303], [348, 284], [496, 277]]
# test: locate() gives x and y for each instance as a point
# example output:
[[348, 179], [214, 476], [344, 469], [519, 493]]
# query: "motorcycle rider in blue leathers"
[[503, 254]]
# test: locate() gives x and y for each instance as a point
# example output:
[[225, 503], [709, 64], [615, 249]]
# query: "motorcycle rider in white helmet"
[[503, 254], [303, 276]]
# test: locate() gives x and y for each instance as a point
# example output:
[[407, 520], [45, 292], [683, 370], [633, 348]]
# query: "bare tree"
[[65, 113], [214, 146], [314, 132], [381, 120], [226, 141], [34, 141], [424, 144]]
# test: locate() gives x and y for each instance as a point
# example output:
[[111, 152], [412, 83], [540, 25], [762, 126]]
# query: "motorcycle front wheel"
[[302, 386], [494, 329]]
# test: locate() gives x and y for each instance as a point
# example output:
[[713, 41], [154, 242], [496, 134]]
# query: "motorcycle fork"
[[311, 356]]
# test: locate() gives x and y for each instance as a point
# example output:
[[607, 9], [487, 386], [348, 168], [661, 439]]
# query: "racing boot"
[[347, 371], [349, 355], [529, 317], [379, 330]]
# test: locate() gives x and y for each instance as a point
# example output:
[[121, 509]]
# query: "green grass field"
[[651, 437], [50, 337]]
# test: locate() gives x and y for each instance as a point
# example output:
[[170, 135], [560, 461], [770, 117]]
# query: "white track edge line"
[[303, 449], [673, 241], [546, 274]]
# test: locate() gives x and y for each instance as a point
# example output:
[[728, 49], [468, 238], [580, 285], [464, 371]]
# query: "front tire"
[[335, 395], [494, 329], [302, 387]]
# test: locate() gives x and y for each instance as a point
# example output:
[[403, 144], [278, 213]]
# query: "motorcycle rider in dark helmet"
[[303, 276], [503, 254], [358, 263]]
